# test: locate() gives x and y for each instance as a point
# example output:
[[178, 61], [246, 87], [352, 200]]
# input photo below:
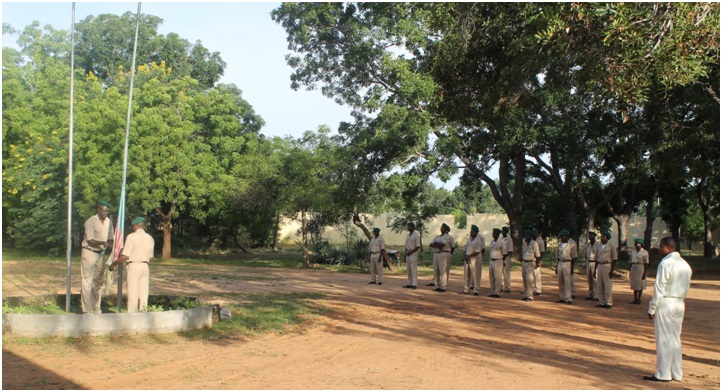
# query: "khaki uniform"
[[139, 249], [413, 240], [529, 253], [637, 260], [497, 251], [606, 253], [92, 264], [537, 271], [506, 271], [376, 259], [442, 260], [565, 254], [590, 254], [472, 269]]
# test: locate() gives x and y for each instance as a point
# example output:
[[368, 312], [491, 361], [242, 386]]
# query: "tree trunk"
[[650, 218], [238, 244], [357, 222], [704, 206], [275, 232], [304, 238], [167, 226]]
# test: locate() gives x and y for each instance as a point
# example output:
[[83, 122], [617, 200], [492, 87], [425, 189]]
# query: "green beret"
[[411, 224], [528, 232], [564, 232], [504, 229], [496, 231], [593, 233], [445, 226], [137, 220], [639, 241], [607, 234], [475, 228], [376, 230], [103, 203]]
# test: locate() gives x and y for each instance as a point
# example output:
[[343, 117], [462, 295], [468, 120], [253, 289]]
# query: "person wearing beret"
[[413, 244], [536, 236], [566, 256], [97, 238], [506, 270], [530, 258], [606, 259], [497, 253], [377, 247], [590, 255], [473, 257], [638, 264], [138, 252], [442, 245]]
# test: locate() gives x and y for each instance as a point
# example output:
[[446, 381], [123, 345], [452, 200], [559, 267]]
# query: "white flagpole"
[[69, 245]]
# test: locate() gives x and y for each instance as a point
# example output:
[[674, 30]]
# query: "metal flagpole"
[[70, 164], [121, 224]]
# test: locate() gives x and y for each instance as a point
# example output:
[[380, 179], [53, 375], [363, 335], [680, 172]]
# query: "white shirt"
[[590, 253], [497, 249], [377, 244], [413, 241], [540, 241], [509, 244], [641, 257], [672, 281], [530, 251], [474, 245], [567, 251]]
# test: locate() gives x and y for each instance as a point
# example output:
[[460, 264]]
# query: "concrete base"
[[78, 325]]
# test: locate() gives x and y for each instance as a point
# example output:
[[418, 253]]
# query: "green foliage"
[[459, 219]]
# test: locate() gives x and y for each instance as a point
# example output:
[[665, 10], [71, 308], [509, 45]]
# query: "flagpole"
[[121, 219], [69, 245]]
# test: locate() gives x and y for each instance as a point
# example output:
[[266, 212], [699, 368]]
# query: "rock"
[[225, 313]]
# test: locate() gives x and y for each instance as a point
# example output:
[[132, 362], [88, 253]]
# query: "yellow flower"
[[22, 159], [34, 186], [12, 146], [14, 191], [30, 150], [54, 132], [42, 152], [10, 178], [46, 176], [46, 189], [50, 149], [27, 182]]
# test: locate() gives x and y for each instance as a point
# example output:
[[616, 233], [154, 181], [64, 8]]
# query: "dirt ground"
[[381, 337]]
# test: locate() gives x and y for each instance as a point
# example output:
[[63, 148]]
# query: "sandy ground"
[[380, 337]]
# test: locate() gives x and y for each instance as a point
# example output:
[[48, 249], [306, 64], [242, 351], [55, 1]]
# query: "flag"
[[119, 227]]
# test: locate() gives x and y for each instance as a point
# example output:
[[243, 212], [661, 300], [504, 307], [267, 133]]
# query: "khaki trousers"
[[591, 280], [537, 280], [440, 271], [377, 267], [92, 280], [495, 267], [472, 275], [564, 278], [138, 285], [506, 272], [527, 274], [412, 268], [604, 284]]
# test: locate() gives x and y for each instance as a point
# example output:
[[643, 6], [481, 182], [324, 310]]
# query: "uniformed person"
[[377, 247], [138, 252], [590, 255], [497, 253], [442, 245], [606, 259], [566, 256], [536, 236], [638, 264], [413, 244], [530, 260], [97, 238], [473, 258], [506, 271]]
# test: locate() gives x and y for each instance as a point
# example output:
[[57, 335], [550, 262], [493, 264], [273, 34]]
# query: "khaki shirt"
[[641, 257], [606, 253], [530, 251], [475, 244], [97, 230], [590, 253], [542, 246], [377, 244], [509, 244], [445, 239], [413, 240], [568, 251], [139, 247], [497, 249]]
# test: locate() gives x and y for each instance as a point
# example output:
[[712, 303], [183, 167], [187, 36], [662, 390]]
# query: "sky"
[[249, 41]]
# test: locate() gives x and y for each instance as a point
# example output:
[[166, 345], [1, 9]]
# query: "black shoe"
[[379, 283], [607, 306], [471, 288], [464, 292], [492, 295], [408, 286], [431, 284], [569, 302], [654, 378], [476, 293], [574, 297], [527, 299], [589, 299], [507, 291], [372, 282], [413, 287], [633, 302], [561, 301], [537, 294], [441, 290], [599, 306], [497, 296], [639, 302]]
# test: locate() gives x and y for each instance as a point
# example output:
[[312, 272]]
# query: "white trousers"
[[537, 280], [506, 272], [495, 268], [441, 276], [92, 280], [472, 275], [377, 267], [667, 333], [527, 274], [564, 279], [604, 284], [138, 286], [412, 269], [591, 280]]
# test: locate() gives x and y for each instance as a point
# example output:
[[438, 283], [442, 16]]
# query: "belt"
[[528, 261], [443, 251], [137, 262], [564, 261], [92, 250], [602, 263], [496, 259]]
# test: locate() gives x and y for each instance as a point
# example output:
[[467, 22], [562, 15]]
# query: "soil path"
[[380, 337]]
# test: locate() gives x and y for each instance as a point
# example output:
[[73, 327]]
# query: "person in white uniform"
[[536, 236], [666, 308], [497, 252], [473, 257], [138, 252], [530, 259], [566, 256], [606, 259], [638, 265], [377, 247], [442, 245], [97, 238], [506, 271], [413, 244], [590, 255]]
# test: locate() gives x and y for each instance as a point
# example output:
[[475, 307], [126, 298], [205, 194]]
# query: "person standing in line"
[[473, 257], [566, 256], [506, 271], [138, 252], [530, 259], [97, 238], [606, 259], [442, 245], [590, 255], [638, 265], [666, 308], [536, 236], [377, 247], [497, 252], [413, 244]]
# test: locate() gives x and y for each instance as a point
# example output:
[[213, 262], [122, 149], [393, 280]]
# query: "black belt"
[[602, 263], [93, 250], [496, 259], [564, 261], [528, 261], [443, 251]]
